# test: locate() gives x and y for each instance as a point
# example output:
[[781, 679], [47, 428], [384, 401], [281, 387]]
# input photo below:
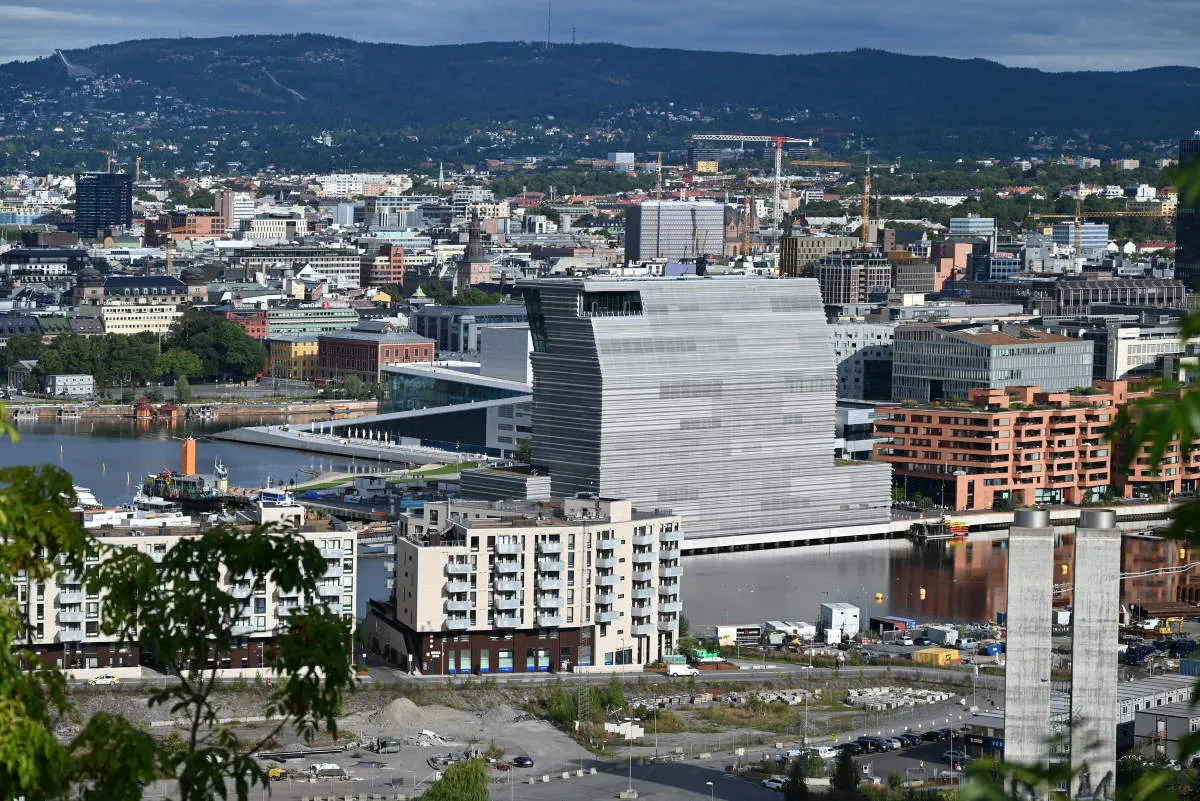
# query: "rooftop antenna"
[[572, 34], [549, 9]]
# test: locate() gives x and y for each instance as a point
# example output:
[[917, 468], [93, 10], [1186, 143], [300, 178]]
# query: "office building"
[[310, 318], [233, 207], [798, 253], [1187, 221], [993, 266], [673, 229], [863, 353], [457, 329], [342, 266], [1005, 448], [1077, 297], [1092, 237], [1123, 345], [945, 362], [383, 267], [292, 356], [580, 584], [975, 226], [710, 397], [72, 385], [853, 277], [912, 276], [103, 200]]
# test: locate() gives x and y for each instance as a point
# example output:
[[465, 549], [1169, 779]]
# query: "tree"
[[843, 785], [524, 451], [795, 788], [183, 390], [21, 347], [475, 297], [180, 363], [154, 395], [127, 395], [353, 386], [224, 347], [462, 781], [435, 291], [179, 611], [560, 706]]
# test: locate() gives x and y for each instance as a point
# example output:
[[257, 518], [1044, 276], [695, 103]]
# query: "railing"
[[550, 547], [458, 568], [70, 635], [669, 556], [607, 617], [507, 566], [70, 616], [507, 585], [546, 583], [607, 581], [609, 544], [643, 630], [507, 604], [458, 622], [457, 587], [670, 571], [459, 606], [550, 565], [509, 548], [643, 558], [71, 597], [549, 602], [606, 598], [643, 594], [507, 621], [608, 563], [549, 621]]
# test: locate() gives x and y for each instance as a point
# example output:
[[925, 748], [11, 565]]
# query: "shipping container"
[[936, 656]]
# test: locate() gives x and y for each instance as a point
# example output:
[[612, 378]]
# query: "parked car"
[[822, 752], [908, 740], [954, 755], [905, 641], [931, 736], [773, 782], [104, 681], [868, 745], [854, 748], [523, 762], [945, 734]]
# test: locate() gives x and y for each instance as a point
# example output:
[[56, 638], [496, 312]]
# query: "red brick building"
[[386, 266], [363, 350], [252, 321]]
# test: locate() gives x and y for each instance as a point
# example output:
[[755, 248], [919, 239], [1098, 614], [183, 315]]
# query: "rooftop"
[[398, 337]]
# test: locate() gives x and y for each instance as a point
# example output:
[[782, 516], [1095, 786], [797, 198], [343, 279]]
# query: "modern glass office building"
[[710, 397]]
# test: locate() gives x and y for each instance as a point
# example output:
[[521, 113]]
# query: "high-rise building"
[[853, 276], [673, 229], [234, 207], [710, 397], [1092, 236], [1187, 220], [102, 200], [797, 253]]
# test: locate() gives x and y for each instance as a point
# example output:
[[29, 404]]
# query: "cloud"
[[1047, 34]]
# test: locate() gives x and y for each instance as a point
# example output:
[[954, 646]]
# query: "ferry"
[[199, 492], [146, 512], [85, 498]]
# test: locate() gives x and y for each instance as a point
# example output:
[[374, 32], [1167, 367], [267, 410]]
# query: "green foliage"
[[21, 347], [561, 707], [183, 390], [127, 395], [475, 297], [180, 613], [180, 363], [154, 394], [353, 386], [524, 450], [796, 788], [843, 784], [224, 348], [112, 359], [462, 781], [435, 291]]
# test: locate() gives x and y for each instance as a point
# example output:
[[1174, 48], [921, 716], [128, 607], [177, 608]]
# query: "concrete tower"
[[1094, 638], [1027, 654]]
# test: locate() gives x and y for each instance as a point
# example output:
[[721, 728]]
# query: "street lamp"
[[712, 791]]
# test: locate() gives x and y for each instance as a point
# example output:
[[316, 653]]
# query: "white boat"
[[85, 499], [146, 512]]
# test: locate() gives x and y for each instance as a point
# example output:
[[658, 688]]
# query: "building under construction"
[[673, 229]]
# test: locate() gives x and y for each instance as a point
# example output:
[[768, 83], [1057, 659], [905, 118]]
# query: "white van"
[[681, 670]]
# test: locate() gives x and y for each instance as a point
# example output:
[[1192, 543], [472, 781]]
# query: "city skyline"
[[1049, 36]]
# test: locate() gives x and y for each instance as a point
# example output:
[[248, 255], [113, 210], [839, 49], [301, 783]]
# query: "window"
[[505, 660]]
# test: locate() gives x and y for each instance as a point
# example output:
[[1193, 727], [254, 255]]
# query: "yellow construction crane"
[[778, 142], [108, 153], [1079, 215]]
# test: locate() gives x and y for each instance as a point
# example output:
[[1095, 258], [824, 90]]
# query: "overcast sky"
[[1049, 34]]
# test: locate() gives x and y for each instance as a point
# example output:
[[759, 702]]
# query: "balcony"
[[643, 630], [507, 621], [70, 616], [643, 558], [509, 548], [240, 629], [283, 610], [608, 563], [334, 553], [506, 567], [549, 621], [643, 540], [641, 612], [459, 606], [671, 606], [241, 591], [507, 585], [507, 604], [70, 635], [606, 598], [643, 575], [643, 594], [458, 587], [458, 622], [670, 571], [459, 568], [550, 565], [608, 617], [668, 625], [671, 536], [549, 602], [67, 598], [546, 583], [669, 556], [329, 589], [550, 547], [332, 569], [608, 581], [608, 544]]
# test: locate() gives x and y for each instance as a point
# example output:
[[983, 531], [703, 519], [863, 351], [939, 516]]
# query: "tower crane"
[[1080, 214], [778, 142], [805, 163]]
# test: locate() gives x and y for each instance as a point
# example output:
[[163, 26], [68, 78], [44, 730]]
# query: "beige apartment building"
[[64, 616], [580, 584]]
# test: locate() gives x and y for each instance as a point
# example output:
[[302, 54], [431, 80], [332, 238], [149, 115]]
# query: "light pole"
[[712, 791]]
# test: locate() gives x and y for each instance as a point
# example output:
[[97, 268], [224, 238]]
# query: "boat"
[[941, 529], [146, 512], [85, 498], [199, 492]]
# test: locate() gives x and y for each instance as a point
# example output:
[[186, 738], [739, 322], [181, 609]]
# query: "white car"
[[774, 782], [104, 681]]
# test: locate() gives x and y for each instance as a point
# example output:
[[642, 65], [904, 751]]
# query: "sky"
[[1047, 34]]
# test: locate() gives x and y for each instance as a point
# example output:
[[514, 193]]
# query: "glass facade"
[[405, 393]]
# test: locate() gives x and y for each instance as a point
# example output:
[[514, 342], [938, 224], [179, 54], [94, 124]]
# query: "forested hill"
[[382, 102]]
